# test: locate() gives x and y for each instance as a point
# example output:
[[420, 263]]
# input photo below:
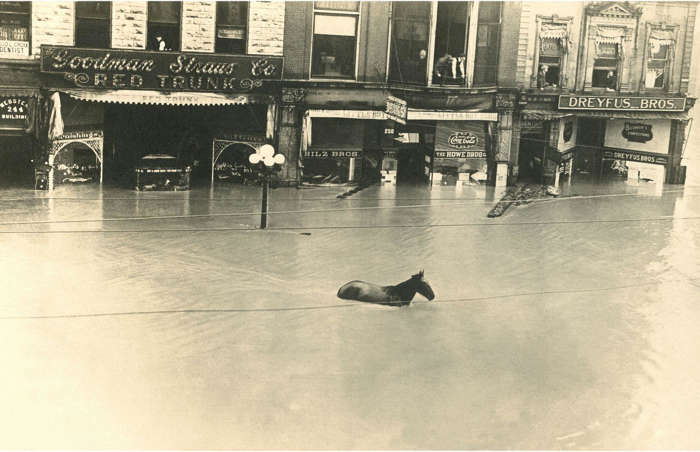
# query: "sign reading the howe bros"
[[165, 71]]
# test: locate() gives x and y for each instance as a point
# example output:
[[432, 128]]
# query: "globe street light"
[[267, 162]]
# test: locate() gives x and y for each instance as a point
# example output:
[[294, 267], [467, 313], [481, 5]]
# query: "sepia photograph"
[[349, 225]]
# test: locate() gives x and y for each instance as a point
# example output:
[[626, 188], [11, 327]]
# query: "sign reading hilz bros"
[[567, 102], [164, 71]]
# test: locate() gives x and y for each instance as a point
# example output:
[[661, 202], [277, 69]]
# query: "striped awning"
[[7, 91], [146, 97], [544, 115]]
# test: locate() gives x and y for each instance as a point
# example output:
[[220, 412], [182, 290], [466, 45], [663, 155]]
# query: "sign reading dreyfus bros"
[[166, 71], [621, 103]]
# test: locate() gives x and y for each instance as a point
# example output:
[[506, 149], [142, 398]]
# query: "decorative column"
[[289, 131], [505, 103]]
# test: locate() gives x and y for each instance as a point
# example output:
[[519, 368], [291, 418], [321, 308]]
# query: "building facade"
[[429, 92], [604, 90]]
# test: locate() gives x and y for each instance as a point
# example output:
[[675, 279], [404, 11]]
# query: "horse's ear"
[[420, 273]]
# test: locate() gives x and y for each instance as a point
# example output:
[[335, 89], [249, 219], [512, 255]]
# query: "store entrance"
[[410, 165], [531, 157], [590, 138], [16, 167]]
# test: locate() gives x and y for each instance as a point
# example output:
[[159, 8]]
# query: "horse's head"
[[422, 286]]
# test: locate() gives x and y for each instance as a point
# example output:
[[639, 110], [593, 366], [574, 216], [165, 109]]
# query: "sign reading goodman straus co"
[[163, 71]]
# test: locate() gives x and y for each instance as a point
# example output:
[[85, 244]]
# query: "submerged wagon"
[[162, 172]]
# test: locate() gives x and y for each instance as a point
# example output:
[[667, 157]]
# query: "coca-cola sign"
[[462, 140]]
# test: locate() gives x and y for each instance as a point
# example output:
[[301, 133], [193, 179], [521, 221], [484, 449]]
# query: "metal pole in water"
[[263, 214]]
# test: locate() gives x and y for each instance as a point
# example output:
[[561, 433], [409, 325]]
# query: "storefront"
[[630, 138], [203, 113], [18, 146], [342, 146]]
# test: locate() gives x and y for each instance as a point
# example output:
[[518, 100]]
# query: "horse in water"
[[399, 295]]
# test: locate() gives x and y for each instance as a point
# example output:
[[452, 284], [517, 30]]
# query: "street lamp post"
[[268, 162]]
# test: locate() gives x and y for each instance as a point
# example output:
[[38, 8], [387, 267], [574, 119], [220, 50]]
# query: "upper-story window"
[[551, 54], [443, 43], [659, 58], [409, 42], [605, 66], [164, 25], [334, 48], [14, 29], [231, 24], [92, 24], [487, 43], [451, 36]]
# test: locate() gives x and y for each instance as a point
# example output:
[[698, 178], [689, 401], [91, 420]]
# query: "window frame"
[[669, 61], [358, 27], [179, 25], [109, 24], [618, 68], [29, 31], [245, 29], [498, 44], [563, 58]]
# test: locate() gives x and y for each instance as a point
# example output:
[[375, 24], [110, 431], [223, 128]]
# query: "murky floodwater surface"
[[566, 324]]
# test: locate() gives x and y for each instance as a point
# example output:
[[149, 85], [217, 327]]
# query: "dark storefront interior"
[[133, 131], [16, 161]]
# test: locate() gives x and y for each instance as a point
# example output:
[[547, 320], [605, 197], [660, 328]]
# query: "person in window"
[[542, 76], [445, 67], [611, 81], [160, 44]]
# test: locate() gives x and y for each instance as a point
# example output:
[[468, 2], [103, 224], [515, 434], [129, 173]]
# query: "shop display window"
[[76, 163], [164, 26], [14, 29], [335, 39], [231, 24], [92, 24]]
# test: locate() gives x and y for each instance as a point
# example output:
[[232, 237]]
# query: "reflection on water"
[[548, 330]]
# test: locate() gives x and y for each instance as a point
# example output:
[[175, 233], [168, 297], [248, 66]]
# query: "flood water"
[[164, 320]]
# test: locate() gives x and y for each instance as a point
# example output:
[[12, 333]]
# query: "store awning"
[[18, 92], [450, 115], [347, 114], [146, 97], [413, 115], [544, 115], [681, 115]]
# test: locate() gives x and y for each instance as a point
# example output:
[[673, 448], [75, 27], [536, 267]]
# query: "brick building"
[[102, 84], [424, 91]]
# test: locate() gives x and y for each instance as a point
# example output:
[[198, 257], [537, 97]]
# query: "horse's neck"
[[406, 289]]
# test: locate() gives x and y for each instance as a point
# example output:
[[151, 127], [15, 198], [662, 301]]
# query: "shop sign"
[[567, 102], [460, 154], [14, 112], [330, 154], [242, 137], [80, 135], [462, 140], [13, 49], [636, 157], [163, 71], [531, 124], [637, 132], [550, 47], [396, 109]]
